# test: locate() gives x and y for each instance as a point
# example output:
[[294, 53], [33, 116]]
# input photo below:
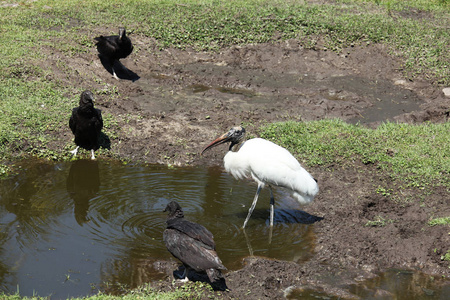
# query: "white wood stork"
[[267, 163]]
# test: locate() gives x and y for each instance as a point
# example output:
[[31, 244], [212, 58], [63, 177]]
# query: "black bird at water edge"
[[114, 47], [193, 245], [86, 124]]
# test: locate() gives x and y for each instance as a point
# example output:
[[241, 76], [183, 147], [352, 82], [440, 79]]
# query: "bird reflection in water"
[[83, 184]]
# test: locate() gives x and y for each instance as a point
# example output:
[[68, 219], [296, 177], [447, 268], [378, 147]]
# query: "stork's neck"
[[234, 147]]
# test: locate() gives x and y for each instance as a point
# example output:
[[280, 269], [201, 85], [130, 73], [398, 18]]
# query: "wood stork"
[[114, 47], [267, 163], [86, 124], [192, 244]]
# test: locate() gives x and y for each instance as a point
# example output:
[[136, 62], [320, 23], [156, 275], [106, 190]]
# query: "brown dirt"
[[183, 99]]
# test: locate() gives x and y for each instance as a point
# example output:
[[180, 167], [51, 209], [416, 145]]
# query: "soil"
[[170, 103]]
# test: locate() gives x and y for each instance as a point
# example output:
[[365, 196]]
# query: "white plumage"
[[267, 163]]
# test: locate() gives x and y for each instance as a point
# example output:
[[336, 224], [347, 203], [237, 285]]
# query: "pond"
[[72, 229]]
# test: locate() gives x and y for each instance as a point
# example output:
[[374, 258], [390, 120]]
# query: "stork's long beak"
[[220, 140]]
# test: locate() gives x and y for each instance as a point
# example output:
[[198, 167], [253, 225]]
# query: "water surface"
[[75, 228], [70, 229]]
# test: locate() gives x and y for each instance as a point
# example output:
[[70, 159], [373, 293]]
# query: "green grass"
[[188, 291], [446, 256], [417, 154], [35, 102], [378, 221], [206, 25], [439, 221]]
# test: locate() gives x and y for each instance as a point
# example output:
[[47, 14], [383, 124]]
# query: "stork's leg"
[[249, 246], [92, 154], [272, 204], [74, 151], [250, 211]]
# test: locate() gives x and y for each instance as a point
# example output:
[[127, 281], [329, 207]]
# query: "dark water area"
[[392, 284], [72, 229]]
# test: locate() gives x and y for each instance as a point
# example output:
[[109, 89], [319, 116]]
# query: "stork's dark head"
[[174, 210], [235, 136], [87, 99]]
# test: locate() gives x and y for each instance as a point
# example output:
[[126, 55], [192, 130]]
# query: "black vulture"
[[86, 124], [114, 47], [192, 244]]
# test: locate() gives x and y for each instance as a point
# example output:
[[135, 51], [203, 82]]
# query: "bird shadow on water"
[[283, 216], [121, 71], [194, 276], [297, 216]]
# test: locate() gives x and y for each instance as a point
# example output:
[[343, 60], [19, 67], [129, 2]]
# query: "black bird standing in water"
[[114, 47], [86, 124], [193, 245]]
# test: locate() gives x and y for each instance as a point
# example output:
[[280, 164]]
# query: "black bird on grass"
[[86, 124], [193, 245], [114, 47]]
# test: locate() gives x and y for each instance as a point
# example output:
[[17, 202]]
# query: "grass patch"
[[446, 256], [420, 36], [34, 103], [378, 221], [439, 221], [190, 290], [416, 154]]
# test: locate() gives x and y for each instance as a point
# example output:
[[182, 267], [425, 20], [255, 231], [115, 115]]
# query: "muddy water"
[[353, 98], [393, 284], [70, 229], [74, 228]]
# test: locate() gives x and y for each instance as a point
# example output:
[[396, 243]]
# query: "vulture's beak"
[[226, 137], [121, 32]]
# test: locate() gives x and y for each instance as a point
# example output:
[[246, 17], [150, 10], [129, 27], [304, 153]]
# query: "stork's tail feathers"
[[303, 199], [309, 190]]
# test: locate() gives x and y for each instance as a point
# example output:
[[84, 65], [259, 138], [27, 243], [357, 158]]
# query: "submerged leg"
[[272, 208], [250, 211], [272, 204], [92, 154], [74, 151], [249, 246]]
